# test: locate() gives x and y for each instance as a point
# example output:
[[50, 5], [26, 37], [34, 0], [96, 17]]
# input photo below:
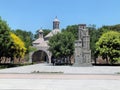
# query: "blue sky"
[[31, 15]]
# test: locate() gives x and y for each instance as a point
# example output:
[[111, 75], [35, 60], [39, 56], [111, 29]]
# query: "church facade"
[[41, 44]]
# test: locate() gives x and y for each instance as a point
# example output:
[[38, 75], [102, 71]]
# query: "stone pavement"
[[74, 78], [42, 68], [60, 76], [56, 84]]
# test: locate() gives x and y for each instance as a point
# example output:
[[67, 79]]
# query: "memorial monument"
[[82, 47]]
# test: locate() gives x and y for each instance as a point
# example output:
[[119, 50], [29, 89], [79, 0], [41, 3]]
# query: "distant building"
[[42, 41], [42, 44]]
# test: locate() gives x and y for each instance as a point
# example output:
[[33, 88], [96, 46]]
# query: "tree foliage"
[[18, 47], [112, 27], [93, 38], [62, 44], [94, 35], [5, 40], [108, 46], [11, 45], [73, 29], [25, 36]]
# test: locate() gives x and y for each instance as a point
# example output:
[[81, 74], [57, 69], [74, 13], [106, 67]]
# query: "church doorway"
[[39, 57]]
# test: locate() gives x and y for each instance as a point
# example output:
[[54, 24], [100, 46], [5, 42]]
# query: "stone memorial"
[[82, 47]]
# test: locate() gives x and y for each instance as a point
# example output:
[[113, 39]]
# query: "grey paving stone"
[[65, 69], [50, 84]]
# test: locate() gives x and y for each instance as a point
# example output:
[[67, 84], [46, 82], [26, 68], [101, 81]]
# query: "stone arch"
[[39, 56], [45, 50]]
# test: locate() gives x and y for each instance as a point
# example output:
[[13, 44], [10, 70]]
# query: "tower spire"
[[41, 33], [56, 23]]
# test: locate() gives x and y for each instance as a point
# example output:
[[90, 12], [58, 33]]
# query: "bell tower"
[[40, 33], [56, 23]]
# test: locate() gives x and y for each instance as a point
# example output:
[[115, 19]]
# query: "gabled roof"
[[39, 40], [53, 32]]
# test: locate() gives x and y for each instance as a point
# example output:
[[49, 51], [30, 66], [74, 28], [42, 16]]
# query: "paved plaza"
[[58, 84], [43, 68], [72, 78]]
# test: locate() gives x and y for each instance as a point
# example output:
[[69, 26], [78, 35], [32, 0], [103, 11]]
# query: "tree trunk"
[[95, 61], [107, 61], [5, 60], [12, 60], [19, 60], [69, 57], [0, 59]]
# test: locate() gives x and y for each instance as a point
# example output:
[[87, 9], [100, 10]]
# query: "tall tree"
[[26, 36], [73, 29], [18, 46], [108, 46], [93, 38], [5, 39], [93, 35], [62, 44], [112, 27], [10, 44]]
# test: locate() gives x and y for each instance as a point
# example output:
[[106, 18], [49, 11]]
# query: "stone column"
[[49, 56], [30, 57]]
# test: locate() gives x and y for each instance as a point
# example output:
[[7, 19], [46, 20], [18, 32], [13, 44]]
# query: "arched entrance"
[[40, 56]]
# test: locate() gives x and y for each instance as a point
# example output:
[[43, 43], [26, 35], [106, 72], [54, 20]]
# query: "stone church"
[[82, 53], [41, 44]]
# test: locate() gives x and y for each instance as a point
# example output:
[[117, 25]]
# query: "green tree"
[[18, 45], [5, 39], [94, 34], [62, 45], [11, 46], [25, 36], [93, 38], [108, 46], [107, 28], [112, 27], [73, 29]]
